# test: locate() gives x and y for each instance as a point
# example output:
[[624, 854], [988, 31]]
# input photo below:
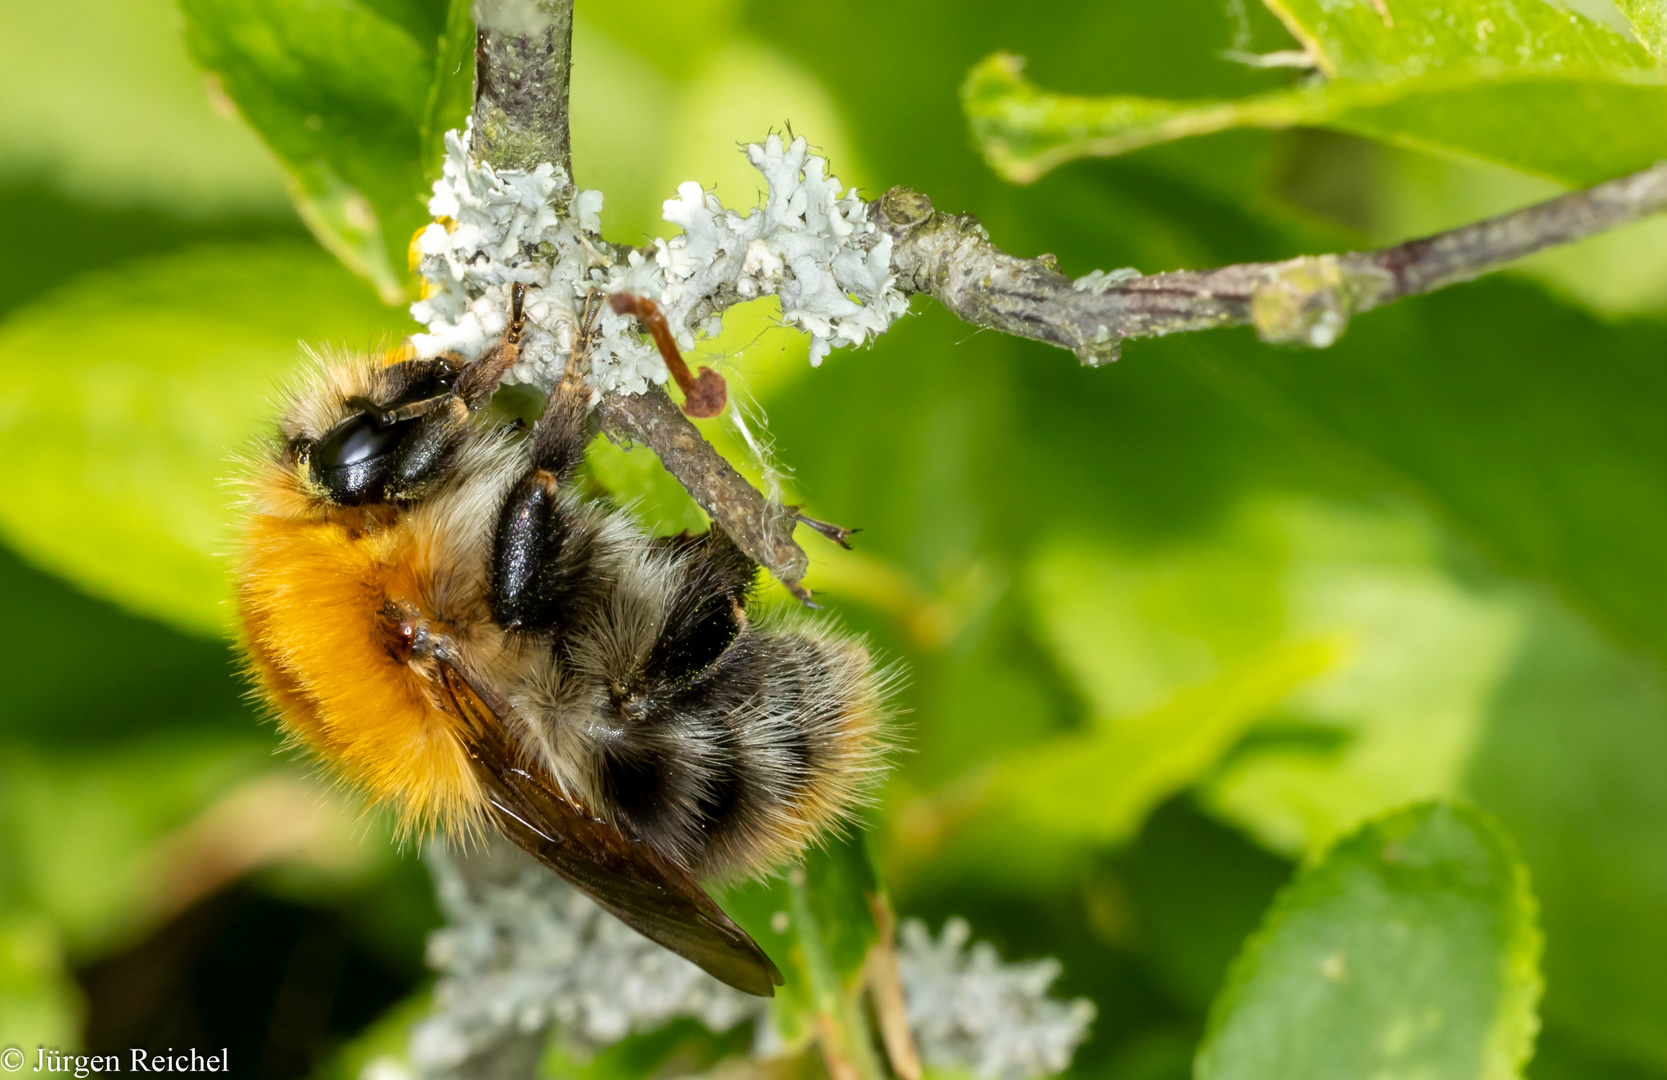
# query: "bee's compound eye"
[[359, 439], [351, 462]]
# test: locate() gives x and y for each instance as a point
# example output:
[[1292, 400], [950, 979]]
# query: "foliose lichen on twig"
[[809, 243]]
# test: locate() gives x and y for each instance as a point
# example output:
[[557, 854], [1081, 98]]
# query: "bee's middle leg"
[[545, 546], [707, 610]]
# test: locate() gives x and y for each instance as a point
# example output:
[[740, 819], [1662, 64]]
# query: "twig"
[[1307, 300], [885, 988], [522, 64], [763, 529], [523, 58]]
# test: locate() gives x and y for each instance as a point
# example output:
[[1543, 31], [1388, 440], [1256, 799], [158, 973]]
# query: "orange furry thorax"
[[313, 589]]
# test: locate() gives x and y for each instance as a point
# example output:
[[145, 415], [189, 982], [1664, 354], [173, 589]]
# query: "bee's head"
[[390, 438]]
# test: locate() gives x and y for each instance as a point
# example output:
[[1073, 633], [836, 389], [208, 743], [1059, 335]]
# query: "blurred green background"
[[1168, 626]]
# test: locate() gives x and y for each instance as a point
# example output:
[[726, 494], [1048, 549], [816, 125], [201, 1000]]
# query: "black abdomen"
[[738, 769]]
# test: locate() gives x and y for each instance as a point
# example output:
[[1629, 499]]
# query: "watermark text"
[[14, 1059]]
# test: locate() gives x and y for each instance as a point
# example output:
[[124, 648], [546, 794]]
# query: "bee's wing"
[[626, 877]]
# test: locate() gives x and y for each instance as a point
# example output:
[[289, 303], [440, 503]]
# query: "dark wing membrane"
[[627, 878]]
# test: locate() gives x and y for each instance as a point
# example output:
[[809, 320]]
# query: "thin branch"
[[763, 529], [523, 60], [1307, 300]]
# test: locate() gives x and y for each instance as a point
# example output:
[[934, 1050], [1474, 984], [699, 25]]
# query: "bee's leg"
[[544, 554], [480, 377], [706, 613], [546, 545], [560, 437], [839, 534]]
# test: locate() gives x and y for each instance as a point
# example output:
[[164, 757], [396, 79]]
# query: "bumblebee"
[[430, 606]]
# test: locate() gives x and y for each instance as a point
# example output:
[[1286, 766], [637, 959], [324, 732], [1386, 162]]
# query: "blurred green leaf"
[[683, 1047], [66, 237], [1197, 889], [636, 478], [124, 396], [1649, 23], [1310, 663], [1531, 86], [384, 1046], [1100, 786], [1558, 1056], [103, 103], [451, 92], [1409, 950], [1545, 444], [353, 97], [146, 677], [1572, 764], [62, 816], [1176, 617], [39, 1001], [1399, 721]]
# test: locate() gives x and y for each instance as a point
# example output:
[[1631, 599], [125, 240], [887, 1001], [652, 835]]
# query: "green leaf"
[[1649, 23], [1409, 950], [1529, 86], [353, 97], [1387, 40], [103, 103], [39, 1001], [1100, 786], [125, 396]]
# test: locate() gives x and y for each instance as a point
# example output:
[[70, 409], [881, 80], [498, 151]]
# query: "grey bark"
[[523, 63], [763, 529], [1307, 300]]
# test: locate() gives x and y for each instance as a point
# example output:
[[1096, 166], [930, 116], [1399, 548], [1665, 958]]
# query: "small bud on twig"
[[703, 397]]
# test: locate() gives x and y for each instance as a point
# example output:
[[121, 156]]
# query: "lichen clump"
[[809, 244], [972, 1013]]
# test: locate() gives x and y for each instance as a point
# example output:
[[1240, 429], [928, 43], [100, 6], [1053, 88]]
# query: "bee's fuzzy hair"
[[726, 772]]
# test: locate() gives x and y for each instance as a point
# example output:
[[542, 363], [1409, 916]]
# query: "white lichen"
[[971, 1012], [808, 244], [530, 954], [523, 956]]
